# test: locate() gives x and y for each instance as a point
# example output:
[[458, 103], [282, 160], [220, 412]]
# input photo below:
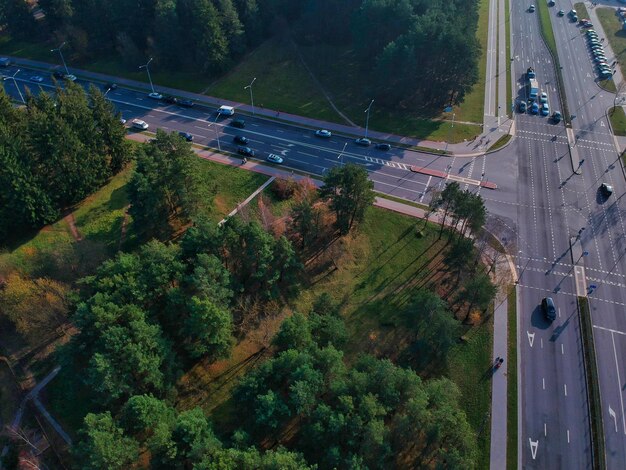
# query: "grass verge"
[[501, 142], [608, 85], [511, 434], [404, 201], [548, 36], [593, 385], [581, 10], [618, 120]]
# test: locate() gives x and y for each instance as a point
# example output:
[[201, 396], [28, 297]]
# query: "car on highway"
[[122, 120], [363, 141], [273, 158], [531, 8], [186, 135], [561, 13], [139, 124], [170, 99], [58, 74], [239, 123], [36, 79], [383, 146], [247, 151], [549, 310], [606, 190], [522, 106], [155, 96], [323, 133], [545, 109], [543, 98], [534, 109], [186, 103], [556, 117], [110, 86], [240, 139]]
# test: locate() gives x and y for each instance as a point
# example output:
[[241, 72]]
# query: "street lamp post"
[[367, 119], [58, 49], [147, 67], [340, 156], [251, 97], [16, 85], [217, 134]]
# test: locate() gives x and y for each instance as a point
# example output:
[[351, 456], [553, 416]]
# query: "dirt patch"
[[71, 222]]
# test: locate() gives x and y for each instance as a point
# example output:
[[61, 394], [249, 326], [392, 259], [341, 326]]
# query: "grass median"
[[618, 120]]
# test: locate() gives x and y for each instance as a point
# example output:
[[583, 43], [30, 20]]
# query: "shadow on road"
[[538, 319]]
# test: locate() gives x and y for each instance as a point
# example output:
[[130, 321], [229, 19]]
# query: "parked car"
[[122, 120], [323, 133], [363, 141], [155, 96], [139, 124], [545, 109], [549, 310], [240, 139], [522, 106], [543, 98], [606, 189], [247, 151], [606, 75], [534, 109], [240, 123], [383, 146], [186, 135], [273, 158]]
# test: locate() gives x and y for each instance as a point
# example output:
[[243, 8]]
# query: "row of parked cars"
[[599, 57]]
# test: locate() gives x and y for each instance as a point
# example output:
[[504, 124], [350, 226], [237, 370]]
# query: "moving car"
[[273, 158], [606, 189], [58, 74], [363, 141], [383, 146], [556, 117], [561, 13], [226, 111], [240, 139], [549, 310], [534, 109], [170, 99], [139, 124], [36, 78], [531, 8], [239, 123], [186, 103], [545, 109], [122, 120], [323, 133], [70, 77], [186, 135], [247, 151], [155, 96]]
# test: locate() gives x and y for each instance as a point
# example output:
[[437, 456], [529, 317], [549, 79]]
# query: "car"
[[323, 133], [110, 86], [605, 75], [155, 96], [606, 189], [139, 124], [36, 78], [383, 146], [69, 77], [549, 310], [186, 135], [574, 18], [240, 123], [561, 13], [604, 67], [240, 139], [556, 117], [170, 99], [247, 151], [531, 8], [597, 50], [522, 106], [5, 61], [545, 109], [591, 32], [273, 158], [543, 98], [594, 42], [534, 109], [599, 58], [122, 120], [584, 20], [572, 12], [587, 25], [551, 3], [186, 103], [363, 141], [58, 74]]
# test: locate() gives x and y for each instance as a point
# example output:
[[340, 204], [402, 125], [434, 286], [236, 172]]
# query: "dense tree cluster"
[[54, 153], [413, 52], [369, 415]]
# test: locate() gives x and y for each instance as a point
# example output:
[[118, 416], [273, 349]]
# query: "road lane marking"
[[543, 382], [568, 436], [545, 429], [541, 340], [426, 190], [531, 338], [612, 414], [565, 389], [610, 330], [562, 349], [533, 448]]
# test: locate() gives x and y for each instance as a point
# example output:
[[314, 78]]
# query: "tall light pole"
[[16, 85], [251, 97], [367, 119], [147, 67], [58, 49], [340, 156]]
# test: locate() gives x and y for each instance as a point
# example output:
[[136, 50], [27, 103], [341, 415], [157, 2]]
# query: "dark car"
[[240, 139], [522, 107], [170, 100], [58, 74], [186, 135], [384, 147], [556, 117], [186, 103], [110, 86], [247, 151], [549, 310], [240, 123], [606, 189]]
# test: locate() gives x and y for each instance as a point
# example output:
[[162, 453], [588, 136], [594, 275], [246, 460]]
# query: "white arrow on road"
[[612, 414], [602, 124], [533, 447], [531, 338]]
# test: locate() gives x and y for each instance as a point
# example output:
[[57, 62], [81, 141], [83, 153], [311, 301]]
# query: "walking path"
[[249, 198]]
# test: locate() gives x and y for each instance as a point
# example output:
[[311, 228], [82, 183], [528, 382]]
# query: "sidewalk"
[[463, 149]]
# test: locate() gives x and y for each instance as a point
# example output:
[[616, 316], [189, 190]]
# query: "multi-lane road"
[[538, 211]]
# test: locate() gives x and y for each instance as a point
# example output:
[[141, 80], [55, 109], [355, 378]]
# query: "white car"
[[363, 141], [323, 133], [139, 124], [36, 78], [123, 121], [274, 158], [155, 96], [544, 97], [70, 77]]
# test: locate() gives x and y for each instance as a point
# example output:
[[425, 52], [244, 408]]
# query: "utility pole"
[[367, 119], [147, 67], [58, 49], [16, 85], [251, 97]]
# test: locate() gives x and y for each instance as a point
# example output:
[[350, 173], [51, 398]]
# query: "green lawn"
[[618, 120], [581, 10]]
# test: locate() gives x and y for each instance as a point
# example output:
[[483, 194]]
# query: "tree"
[[478, 292], [149, 420], [449, 199], [192, 437], [350, 193], [104, 445], [19, 19], [306, 222], [279, 458], [207, 329], [294, 333]]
